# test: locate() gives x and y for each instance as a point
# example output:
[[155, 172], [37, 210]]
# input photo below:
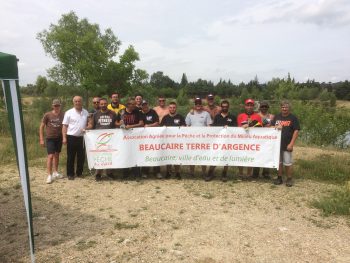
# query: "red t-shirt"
[[253, 120]]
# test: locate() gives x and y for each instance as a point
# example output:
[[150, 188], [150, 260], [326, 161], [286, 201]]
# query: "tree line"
[[89, 63]]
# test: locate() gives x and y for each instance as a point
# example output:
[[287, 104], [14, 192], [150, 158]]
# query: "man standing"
[[161, 109], [211, 107], [52, 120], [115, 105], [223, 119], [130, 118], [138, 100], [290, 130], [95, 104], [173, 119], [245, 120], [150, 119], [103, 119], [266, 119], [74, 124], [198, 118]]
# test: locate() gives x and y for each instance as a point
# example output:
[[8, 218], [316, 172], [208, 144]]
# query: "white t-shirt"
[[76, 121], [198, 119]]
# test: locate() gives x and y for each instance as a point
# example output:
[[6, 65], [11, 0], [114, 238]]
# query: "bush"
[[337, 203]]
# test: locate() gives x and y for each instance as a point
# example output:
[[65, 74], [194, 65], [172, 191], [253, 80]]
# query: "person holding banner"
[[198, 118], [52, 121], [150, 119], [266, 118], [74, 125], [290, 130], [222, 119], [129, 119], [173, 119], [104, 118], [246, 120], [115, 105]]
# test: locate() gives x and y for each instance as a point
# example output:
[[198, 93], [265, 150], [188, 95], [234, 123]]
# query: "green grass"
[[337, 203], [328, 168]]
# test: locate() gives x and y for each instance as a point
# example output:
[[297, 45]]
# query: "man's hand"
[[290, 147], [42, 143], [64, 141]]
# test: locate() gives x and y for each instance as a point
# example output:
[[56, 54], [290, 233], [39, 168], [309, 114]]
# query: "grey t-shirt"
[[196, 119]]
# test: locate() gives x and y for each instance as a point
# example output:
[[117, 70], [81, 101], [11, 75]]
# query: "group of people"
[[69, 128]]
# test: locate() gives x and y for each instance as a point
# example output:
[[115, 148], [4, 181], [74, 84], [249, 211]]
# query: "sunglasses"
[[95, 102], [57, 105], [161, 100]]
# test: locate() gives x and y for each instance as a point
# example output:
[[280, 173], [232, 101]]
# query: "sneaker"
[[144, 176], [178, 176], [49, 179], [98, 177], [70, 177], [278, 180], [224, 178], [56, 175], [159, 176], [209, 177], [289, 182]]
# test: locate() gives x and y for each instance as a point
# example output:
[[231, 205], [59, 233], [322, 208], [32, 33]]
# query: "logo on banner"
[[103, 143], [103, 150]]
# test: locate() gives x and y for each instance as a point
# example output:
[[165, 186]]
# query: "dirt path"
[[169, 221]]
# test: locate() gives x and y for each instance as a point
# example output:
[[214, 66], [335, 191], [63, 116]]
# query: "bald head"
[[78, 102]]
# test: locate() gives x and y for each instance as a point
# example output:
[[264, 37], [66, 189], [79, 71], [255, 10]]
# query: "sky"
[[212, 40]]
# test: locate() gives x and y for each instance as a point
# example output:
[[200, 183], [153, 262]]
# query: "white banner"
[[232, 146]]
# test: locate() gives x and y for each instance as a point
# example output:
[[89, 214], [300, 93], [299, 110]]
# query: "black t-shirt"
[[176, 120], [104, 120], [230, 120], [130, 118], [150, 117], [289, 124]]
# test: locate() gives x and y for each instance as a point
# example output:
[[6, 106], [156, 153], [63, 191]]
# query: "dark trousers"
[[146, 169], [75, 147]]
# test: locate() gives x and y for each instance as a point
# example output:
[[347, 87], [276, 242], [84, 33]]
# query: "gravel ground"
[[169, 220]]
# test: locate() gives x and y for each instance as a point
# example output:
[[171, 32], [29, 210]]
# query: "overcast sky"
[[205, 39]]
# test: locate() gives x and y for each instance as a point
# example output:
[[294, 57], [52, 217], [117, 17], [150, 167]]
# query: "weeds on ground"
[[337, 203], [329, 168]]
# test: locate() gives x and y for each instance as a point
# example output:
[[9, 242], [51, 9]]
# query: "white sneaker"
[[49, 179], [56, 175], [159, 176]]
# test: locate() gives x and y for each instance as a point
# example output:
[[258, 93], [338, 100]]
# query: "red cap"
[[247, 101]]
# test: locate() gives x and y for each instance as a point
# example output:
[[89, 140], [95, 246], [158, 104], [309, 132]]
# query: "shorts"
[[286, 158], [53, 145]]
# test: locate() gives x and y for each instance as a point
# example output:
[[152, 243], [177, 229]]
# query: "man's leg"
[[71, 152], [80, 155], [210, 174]]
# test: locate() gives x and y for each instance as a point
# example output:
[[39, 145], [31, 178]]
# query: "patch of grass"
[[326, 167], [83, 245], [124, 225], [207, 195], [337, 203]]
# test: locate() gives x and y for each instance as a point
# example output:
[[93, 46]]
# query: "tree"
[[81, 50], [41, 85], [159, 81], [184, 80]]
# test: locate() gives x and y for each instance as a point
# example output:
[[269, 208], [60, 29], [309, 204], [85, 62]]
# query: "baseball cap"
[[210, 96], [264, 103], [144, 102], [56, 102], [198, 100], [247, 101]]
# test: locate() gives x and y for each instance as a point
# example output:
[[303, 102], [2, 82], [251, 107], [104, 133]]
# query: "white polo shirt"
[[76, 121]]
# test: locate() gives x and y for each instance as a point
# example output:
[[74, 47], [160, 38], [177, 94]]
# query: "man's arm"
[[64, 133], [292, 141], [41, 134], [140, 124]]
